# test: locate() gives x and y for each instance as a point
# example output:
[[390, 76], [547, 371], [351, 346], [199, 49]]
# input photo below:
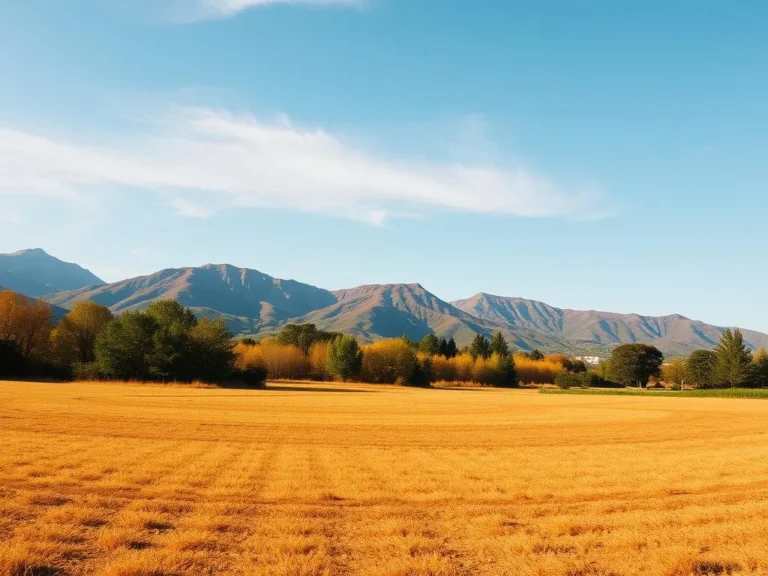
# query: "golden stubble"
[[306, 479]]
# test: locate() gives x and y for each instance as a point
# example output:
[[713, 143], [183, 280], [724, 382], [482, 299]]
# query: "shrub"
[[254, 377], [284, 362], [86, 371], [389, 362], [567, 380], [318, 360], [443, 369], [344, 357], [536, 371]]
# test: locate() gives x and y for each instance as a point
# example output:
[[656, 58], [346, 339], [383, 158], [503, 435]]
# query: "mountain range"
[[256, 304]]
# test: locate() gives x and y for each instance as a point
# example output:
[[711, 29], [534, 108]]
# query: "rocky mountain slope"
[[34, 273], [255, 303], [675, 334]]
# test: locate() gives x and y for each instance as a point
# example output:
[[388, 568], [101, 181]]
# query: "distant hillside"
[[254, 303], [673, 334], [34, 273], [248, 299], [389, 310]]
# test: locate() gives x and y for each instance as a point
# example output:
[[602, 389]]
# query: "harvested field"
[[329, 479]]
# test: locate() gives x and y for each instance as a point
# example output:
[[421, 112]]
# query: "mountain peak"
[[31, 252], [34, 272]]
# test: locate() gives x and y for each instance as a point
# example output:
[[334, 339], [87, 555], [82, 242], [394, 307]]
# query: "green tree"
[[480, 347], [212, 355], [430, 345], [635, 364], [499, 345], [173, 353], [760, 368], [733, 360], [344, 357], [451, 349], [300, 335], [700, 368], [124, 349], [535, 354], [506, 364]]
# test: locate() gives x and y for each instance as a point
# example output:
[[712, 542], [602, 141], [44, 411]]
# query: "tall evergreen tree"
[[535, 354], [733, 360], [480, 347], [499, 345], [452, 349], [430, 345]]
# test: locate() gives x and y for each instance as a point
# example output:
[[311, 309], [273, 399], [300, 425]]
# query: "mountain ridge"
[[673, 331], [35, 273], [255, 303]]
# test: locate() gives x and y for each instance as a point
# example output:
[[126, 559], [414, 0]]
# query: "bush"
[[536, 371], [590, 379], [284, 362], [567, 380], [254, 377], [318, 360], [389, 362], [86, 371]]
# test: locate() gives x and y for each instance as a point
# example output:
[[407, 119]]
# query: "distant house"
[[591, 360]]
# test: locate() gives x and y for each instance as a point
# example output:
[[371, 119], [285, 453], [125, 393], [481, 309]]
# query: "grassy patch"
[[760, 393]]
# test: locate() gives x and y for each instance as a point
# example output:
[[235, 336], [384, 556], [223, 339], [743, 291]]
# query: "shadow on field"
[[294, 388]]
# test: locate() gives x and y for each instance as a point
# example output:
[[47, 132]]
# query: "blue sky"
[[591, 154]]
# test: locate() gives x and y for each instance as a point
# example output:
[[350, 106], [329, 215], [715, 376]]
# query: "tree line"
[[730, 365], [167, 342]]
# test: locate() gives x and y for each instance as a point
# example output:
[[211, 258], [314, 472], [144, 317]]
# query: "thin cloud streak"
[[207, 160], [214, 9]]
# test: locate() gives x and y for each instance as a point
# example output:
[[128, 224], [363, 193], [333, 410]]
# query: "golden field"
[[331, 479]]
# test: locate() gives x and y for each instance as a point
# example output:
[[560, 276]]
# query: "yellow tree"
[[25, 323], [74, 339], [675, 372]]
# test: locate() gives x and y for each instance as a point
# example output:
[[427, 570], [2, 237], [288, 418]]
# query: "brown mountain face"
[[257, 304], [673, 334], [34, 273], [248, 299], [391, 310]]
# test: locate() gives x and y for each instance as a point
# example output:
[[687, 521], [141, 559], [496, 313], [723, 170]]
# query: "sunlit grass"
[[761, 393], [305, 479]]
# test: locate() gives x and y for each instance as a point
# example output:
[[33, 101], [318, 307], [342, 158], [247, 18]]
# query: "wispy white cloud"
[[187, 209], [211, 9], [206, 160]]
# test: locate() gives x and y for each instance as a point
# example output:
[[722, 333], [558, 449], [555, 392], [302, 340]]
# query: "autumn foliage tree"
[[25, 324], [388, 362], [74, 339]]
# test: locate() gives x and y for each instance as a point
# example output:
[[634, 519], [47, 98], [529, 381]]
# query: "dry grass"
[[326, 480]]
